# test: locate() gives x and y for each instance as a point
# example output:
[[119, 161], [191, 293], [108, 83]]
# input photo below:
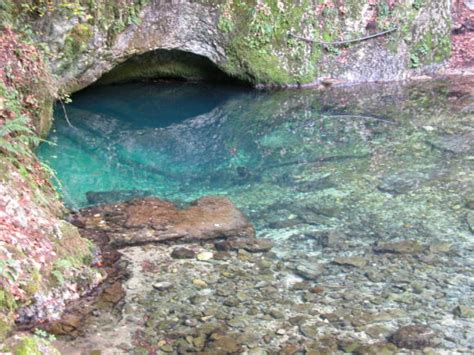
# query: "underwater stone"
[[114, 196], [355, 261], [414, 337], [205, 256], [470, 220], [183, 253], [250, 245], [456, 144], [153, 220], [402, 247], [309, 269], [464, 311]]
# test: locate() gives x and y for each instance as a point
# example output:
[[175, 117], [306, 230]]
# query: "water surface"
[[375, 163]]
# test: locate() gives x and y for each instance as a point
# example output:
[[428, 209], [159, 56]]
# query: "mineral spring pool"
[[326, 175]]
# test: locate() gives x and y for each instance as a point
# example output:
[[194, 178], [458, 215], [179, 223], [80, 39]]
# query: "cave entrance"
[[159, 88], [163, 64]]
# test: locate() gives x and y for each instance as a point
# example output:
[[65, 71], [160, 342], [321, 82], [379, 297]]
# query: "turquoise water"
[[180, 141], [326, 175]]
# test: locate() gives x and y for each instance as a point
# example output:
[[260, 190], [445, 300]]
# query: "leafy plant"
[[16, 138], [383, 9], [417, 4], [43, 334], [9, 269]]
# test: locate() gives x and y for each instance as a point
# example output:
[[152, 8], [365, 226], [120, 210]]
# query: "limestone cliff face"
[[257, 41]]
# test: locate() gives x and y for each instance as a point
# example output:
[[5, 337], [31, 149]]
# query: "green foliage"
[[7, 302], [225, 24], [16, 138], [10, 269], [383, 9], [417, 4], [28, 346], [43, 334], [415, 61]]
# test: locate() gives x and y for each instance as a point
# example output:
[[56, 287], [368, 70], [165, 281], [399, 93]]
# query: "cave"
[[164, 64]]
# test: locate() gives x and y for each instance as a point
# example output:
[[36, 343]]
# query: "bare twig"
[[65, 113], [338, 43]]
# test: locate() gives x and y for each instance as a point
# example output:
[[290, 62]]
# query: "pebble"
[[161, 286], [199, 283], [205, 256], [464, 311], [183, 253], [355, 261]]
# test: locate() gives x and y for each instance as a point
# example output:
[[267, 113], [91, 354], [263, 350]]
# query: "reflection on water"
[[324, 174]]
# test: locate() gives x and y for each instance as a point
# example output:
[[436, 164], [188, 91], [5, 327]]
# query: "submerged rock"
[[354, 261], [309, 269], [250, 245], [414, 337], [183, 253], [402, 247], [153, 220], [114, 196], [456, 144], [464, 311]]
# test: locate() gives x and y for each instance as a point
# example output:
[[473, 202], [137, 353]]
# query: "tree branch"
[[338, 43]]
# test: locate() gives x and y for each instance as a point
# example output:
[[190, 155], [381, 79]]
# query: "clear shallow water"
[[379, 163]]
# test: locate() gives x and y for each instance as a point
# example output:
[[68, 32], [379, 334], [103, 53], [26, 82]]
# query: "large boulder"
[[151, 220]]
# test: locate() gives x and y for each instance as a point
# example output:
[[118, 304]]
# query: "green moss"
[[34, 283], [28, 346], [77, 39], [430, 48], [260, 49], [7, 301], [5, 327]]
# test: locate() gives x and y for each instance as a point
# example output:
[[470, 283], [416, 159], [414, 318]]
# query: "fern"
[[16, 138]]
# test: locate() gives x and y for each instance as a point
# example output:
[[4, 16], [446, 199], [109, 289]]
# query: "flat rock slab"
[[150, 220]]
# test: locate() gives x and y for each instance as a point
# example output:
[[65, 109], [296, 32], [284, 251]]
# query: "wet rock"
[[309, 269], [332, 239], [457, 143], [114, 196], [374, 276], [250, 245], [470, 220], [223, 345], [354, 261], [183, 253], [414, 337], [205, 256], [113, 293], [153, 220], [401, 247], [316, 290], [382, 348], [162, 286], [464, 311], [280, 331], [309, 330], [199, 283], [470, 203], [318, 182], [69, 322], [275, 313], [405, 181]]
